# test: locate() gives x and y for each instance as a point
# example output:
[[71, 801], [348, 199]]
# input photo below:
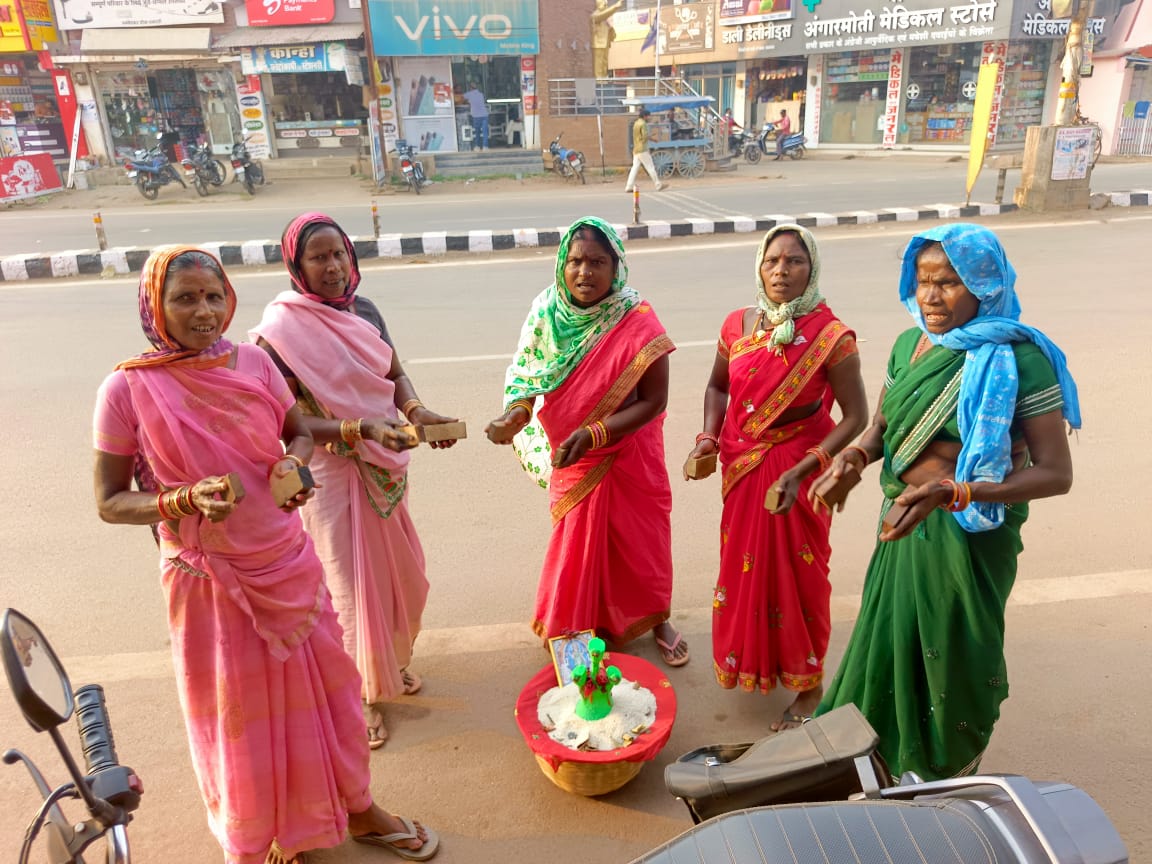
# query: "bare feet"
[[673, 647], [800, 710], [377, 731], [412, 682]]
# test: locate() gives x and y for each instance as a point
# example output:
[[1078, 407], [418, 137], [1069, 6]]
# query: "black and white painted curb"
[[252, 253]]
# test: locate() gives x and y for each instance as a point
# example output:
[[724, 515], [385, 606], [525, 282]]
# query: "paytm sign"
[[411, 28]]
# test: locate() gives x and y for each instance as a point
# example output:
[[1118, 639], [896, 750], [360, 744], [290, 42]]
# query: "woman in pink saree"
[[779, 367], [598, 355], [270, 699], [335, 352]]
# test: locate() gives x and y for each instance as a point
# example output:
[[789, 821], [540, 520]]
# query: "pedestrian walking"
[[641, 135]]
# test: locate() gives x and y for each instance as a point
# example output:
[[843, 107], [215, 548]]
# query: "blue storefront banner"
[[311, 57], [414, 28]]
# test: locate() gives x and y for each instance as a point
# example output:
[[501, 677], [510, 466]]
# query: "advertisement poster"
[[754, 11], [389, 115], [528, 83], [254, 114], [28, 177], [1073, 152], [90, 14], [277, 13], [424, 87], [431, 134], [687, 27]]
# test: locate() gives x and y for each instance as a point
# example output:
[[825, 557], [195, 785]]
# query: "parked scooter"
[[109, 790], [569, 164], [244, 170], [760, 146], [802, 794], [201, 169], [149, 170], [411, 167]]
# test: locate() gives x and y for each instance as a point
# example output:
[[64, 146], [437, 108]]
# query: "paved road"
[[811, 185], [1078, 632]]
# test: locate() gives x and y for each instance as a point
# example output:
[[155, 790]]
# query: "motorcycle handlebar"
[[95, 728]]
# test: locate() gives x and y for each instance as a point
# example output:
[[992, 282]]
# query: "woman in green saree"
[[970, 428]]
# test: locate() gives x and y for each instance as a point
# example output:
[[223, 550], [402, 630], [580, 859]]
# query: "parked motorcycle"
[[821, 792], [149, 170], [110, 791], [759, 145], [244, 170], [201, 169], [411, 167], [569, 164]]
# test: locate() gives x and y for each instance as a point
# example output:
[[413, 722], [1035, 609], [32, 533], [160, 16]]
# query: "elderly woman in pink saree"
[[335, 351], [270, 699], [598, 355]]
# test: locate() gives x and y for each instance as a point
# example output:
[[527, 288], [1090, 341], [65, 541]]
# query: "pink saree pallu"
[[609, 562], [770, 608], [270, 700], [359, 522]]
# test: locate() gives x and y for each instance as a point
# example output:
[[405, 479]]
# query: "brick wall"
[[562, 24]]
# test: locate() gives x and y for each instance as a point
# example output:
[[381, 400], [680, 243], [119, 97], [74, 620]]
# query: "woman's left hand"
[[281, 469], [573, 449], [788, 487], [920, 501], [423, 417]]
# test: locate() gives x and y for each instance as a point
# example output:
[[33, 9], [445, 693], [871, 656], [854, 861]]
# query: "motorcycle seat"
[[954, 831]]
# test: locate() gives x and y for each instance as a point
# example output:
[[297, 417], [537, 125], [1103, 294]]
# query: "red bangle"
[[863, 453], [707, 436], [822, 456], [961, 495]]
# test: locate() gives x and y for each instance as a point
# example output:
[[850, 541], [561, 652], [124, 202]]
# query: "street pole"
[[373, 75], [1070, 66], [657, 48]]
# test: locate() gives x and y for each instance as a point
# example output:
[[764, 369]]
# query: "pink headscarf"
[[292, 246]]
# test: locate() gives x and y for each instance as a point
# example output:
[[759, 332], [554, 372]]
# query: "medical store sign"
[[414, 28], [317, 57], [88, 14], [1033, 19], [831, 26]]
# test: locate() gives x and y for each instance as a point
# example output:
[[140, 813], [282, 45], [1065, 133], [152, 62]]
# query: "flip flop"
[[412, 682], [388, 841], [668, 652], [377, 732]]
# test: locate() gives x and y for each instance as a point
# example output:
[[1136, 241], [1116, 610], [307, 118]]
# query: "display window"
[[940, 90], [29, 116], [1025, 81], [853, 103], [315, 111], [500, 80], [774, 85]]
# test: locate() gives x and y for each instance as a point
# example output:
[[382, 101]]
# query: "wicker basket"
[[590, 778]]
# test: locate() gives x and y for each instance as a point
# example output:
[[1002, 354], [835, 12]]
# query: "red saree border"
[[609, 402], [754, 455]]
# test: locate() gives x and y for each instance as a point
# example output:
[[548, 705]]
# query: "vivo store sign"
[[412, 28]]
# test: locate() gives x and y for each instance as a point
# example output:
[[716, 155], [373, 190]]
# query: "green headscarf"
[[557, 334], [782, 315]]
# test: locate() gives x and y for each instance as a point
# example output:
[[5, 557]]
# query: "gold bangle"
[[519, 403], [411, 405], [292, 457], [351, 431]]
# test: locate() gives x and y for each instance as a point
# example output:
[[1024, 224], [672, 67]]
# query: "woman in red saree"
[[270, 700], [598, 355], [779, 366]]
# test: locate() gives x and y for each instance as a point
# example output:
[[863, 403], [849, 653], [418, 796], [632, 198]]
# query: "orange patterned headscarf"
[[168, 350]]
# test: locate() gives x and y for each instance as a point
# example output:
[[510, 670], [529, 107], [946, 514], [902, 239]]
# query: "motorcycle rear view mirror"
[[37, 678]]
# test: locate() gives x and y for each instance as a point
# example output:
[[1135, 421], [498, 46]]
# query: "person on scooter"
[[783, 130], [733, 129]]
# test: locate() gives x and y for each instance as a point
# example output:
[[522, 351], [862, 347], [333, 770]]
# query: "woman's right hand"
[[503, 429], [706, 447], [389, 433]]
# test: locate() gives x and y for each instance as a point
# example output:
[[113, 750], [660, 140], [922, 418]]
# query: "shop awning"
[[145, 42], [254, 37]]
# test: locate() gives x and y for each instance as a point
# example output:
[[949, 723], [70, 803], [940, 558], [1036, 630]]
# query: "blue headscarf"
[[989, 383]]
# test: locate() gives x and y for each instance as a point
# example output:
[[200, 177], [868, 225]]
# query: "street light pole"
[[1073, 60], [657, 46]]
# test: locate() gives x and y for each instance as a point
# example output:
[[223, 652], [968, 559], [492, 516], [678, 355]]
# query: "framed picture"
[[568, 652]]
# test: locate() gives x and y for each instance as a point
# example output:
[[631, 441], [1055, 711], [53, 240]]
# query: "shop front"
[[313, 93], [30, 121], [478, 56]]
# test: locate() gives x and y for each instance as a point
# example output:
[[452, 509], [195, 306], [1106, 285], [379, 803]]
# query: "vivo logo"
[[486, 26]]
